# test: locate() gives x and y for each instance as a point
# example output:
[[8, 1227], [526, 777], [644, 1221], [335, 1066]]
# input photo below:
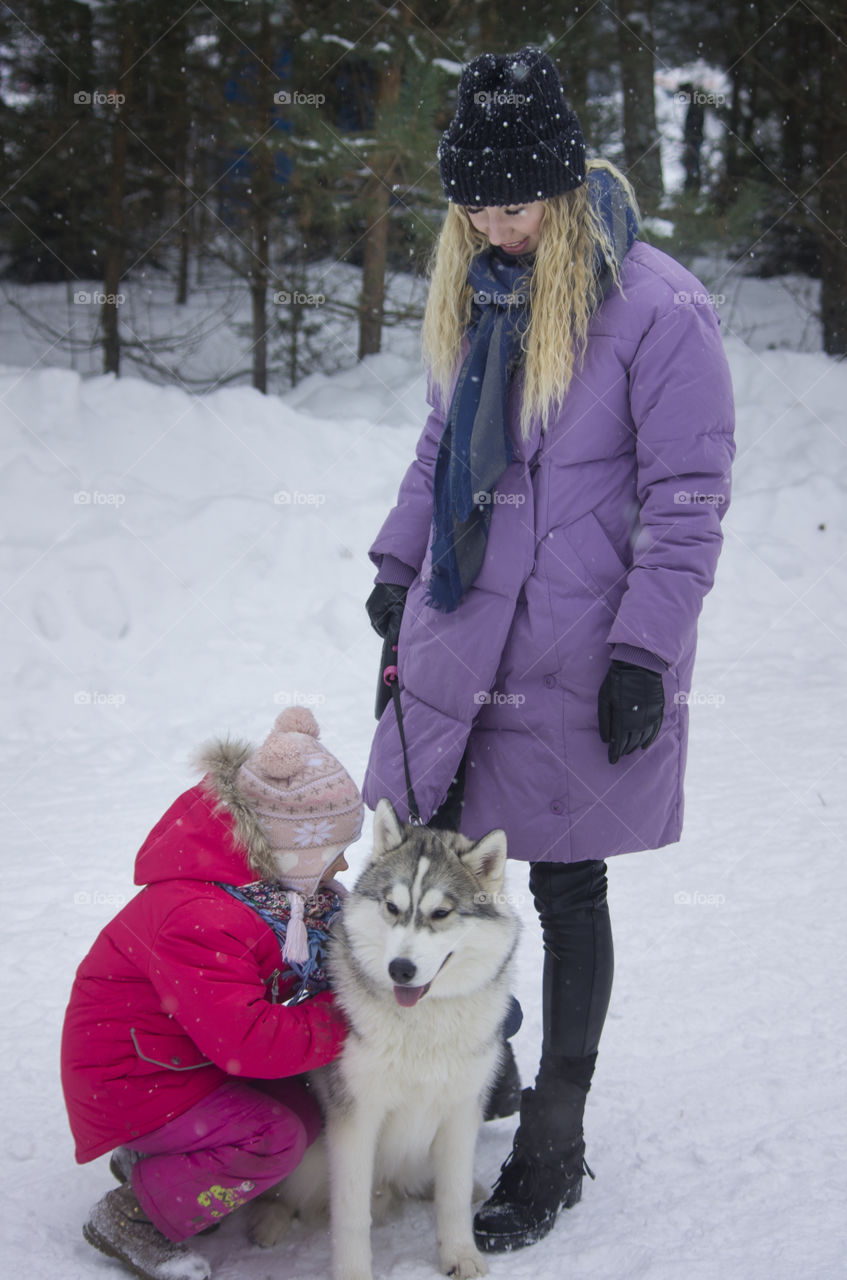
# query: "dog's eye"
[[392, 908], [441, 913]]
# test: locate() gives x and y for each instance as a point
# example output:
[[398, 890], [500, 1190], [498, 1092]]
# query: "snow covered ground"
[[174, 567]]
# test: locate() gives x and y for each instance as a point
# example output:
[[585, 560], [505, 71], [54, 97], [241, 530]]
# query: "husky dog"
[[421, 966]]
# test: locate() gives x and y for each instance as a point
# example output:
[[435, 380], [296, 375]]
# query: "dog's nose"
[[402, 970]]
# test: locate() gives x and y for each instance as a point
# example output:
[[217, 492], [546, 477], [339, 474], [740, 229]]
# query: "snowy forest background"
[[214, 222], [257, 181]]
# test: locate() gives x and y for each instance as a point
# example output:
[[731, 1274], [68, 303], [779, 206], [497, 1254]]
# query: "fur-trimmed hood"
[[210, 832], [221, 761]]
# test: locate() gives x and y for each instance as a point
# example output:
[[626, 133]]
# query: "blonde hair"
[[562, 295]]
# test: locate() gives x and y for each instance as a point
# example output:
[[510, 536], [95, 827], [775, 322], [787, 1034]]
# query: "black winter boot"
[[542, 1174]]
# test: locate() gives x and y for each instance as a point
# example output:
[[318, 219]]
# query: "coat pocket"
[[171, 1052], [604, 570]]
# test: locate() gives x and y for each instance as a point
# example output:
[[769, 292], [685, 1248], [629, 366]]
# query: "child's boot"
[[118, 1227]]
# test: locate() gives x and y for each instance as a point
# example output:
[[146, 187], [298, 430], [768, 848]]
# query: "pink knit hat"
[[308, 806]]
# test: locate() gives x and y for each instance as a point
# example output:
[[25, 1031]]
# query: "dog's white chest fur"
[[421, 968], [440, 1055]]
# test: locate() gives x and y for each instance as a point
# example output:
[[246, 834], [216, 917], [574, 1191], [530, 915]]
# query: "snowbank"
[[174, 567]]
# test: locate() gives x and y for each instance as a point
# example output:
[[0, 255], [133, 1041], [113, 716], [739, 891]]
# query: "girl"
[[177, 1031], [545, 564]]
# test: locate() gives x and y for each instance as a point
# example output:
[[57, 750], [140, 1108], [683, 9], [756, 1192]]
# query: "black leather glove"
[[385, 607], [630, 707]]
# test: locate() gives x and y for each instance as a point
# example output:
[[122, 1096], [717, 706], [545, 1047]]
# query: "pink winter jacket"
[[173, 996]]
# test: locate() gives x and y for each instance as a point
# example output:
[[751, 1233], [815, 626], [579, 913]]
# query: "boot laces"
[[517, 1179], [521, 1177]]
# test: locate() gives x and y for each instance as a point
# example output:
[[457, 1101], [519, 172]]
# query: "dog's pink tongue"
[[407, 996]]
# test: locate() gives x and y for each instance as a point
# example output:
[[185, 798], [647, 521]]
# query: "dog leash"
[[390, 678]]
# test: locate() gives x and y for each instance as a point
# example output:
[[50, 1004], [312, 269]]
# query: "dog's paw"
[[464, 1264], [268, 1222]]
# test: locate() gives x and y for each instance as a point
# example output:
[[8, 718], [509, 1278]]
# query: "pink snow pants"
[[229, 1147]]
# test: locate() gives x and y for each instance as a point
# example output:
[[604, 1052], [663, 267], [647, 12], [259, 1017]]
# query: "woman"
[[547, 558]]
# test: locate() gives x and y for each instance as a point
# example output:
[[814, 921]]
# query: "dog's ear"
[[388, 833], [487, 860]]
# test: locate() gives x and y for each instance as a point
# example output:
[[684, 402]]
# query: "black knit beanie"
[[513, 139]]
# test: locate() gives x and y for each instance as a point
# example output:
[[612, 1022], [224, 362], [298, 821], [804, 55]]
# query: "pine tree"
[[637, 68], [52, 143], [832, 192], [379, 72]]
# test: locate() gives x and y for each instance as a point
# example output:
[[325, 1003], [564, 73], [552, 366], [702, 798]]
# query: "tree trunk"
[[372, 301], [184, 245], [377, 202], [180, 103], [258, 298], [184, 198], [262, 183], [641, 139], [832, 190], [114, 264]]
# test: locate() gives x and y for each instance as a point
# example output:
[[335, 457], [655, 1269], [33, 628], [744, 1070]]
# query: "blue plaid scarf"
[[475, 448]]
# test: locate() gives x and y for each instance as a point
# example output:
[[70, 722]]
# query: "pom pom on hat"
[[286, 751], [297, 720]]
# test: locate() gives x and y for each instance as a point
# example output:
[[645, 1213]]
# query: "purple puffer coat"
[[603, 542]]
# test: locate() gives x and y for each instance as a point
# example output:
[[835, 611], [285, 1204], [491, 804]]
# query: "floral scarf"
[[276, 905]]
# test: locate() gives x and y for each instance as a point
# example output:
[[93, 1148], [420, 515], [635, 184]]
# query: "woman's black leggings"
[[578, 956]]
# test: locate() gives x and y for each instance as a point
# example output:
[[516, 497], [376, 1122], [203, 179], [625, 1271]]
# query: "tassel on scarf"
[[296, 948]]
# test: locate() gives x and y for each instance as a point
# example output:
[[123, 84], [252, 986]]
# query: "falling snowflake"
[[311, 834]]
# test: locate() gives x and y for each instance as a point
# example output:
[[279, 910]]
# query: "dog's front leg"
[[453, 1155], [351, 1141]]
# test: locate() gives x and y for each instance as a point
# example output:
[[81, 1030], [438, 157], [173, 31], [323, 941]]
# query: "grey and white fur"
[[421, 964]]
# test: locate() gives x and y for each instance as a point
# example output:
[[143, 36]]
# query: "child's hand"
[[335, 1024]]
